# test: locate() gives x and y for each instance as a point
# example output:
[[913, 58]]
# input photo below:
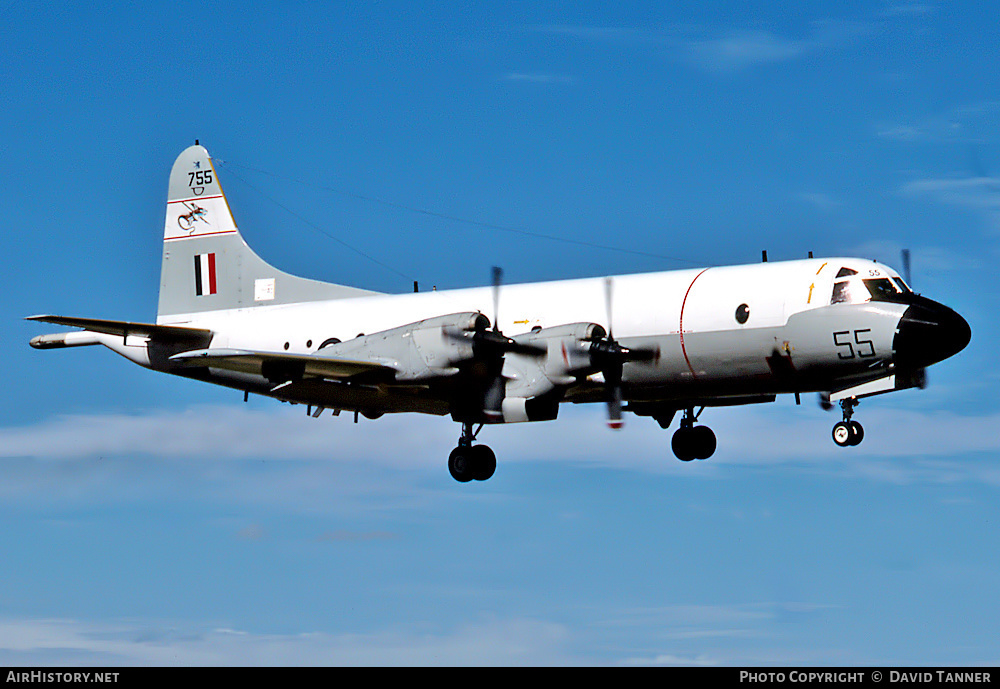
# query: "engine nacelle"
[[567, 358], [519, 409], [423, 350]]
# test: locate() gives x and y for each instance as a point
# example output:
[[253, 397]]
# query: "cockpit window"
[[841, 292], [882, 289], [846, 272], [903, 287]]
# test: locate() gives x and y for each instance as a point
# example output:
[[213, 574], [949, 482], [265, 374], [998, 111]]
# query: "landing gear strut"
[[469, 462], [693, 442], [847, 433]]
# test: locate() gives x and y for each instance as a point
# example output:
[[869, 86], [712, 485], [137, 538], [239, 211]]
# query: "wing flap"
[[281, 366]]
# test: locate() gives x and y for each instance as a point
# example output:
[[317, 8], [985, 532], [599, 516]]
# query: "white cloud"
[[904, 439], [907, 9], [738, 50], [54, 642], [538, 78], [980, 195], [967, 124], [822, 201], [721, 50], [971, 192]]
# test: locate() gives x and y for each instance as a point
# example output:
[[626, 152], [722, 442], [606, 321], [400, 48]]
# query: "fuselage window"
[[846, 272], [742, 313]]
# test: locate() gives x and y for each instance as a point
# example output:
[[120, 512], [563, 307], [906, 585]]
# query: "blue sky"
[[152, 520]]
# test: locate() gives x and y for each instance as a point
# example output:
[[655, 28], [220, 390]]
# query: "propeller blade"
[[608, 293], [613, 381], [497, 280], [615, 420], [824, 401], [906, 267]]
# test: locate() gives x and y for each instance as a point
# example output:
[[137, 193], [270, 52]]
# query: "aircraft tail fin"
[[207, 266]]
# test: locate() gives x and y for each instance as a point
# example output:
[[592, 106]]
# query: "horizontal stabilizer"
[[62, 340], [126, 328], [280, 366]]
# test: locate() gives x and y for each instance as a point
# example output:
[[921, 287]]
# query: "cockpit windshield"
[[882, 289], [850, 288]]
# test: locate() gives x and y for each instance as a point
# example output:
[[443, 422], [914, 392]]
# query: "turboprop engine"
[[535, 384], [424, 350]]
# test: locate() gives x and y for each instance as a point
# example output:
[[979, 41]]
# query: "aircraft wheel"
[[703, 439], [461, 464], [682, 444], [857, 433], [475, 462], [484, 462], [843, 434]]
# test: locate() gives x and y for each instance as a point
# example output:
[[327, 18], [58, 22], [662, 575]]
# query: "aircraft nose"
[[929, 332]]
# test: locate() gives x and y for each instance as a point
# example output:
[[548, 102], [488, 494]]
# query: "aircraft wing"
[[126, 328], [281, 366]]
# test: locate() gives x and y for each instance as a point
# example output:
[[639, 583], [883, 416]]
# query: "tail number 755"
[[851, 344]]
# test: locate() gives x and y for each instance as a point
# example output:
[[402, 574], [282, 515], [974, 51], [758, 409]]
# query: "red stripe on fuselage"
[[681, 324]]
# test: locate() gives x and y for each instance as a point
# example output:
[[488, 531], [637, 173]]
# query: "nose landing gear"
[[848, 433]]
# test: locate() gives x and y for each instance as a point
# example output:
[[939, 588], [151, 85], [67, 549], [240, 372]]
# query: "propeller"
[[489, 347], [497, 339], [919, 377], [490, 342], [609, 357]]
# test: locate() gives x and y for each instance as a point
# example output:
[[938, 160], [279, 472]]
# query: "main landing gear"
[[693, 442], [847, 433], [469, 462]]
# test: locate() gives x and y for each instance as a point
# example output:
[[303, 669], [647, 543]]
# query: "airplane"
[[654, 344]]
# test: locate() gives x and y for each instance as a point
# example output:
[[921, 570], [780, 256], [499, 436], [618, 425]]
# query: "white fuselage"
[[690, 315]]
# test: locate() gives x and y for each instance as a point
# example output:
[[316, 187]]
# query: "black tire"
[[857, 433], [484, 462], [703, 441], [682, 445], [461, 464]]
